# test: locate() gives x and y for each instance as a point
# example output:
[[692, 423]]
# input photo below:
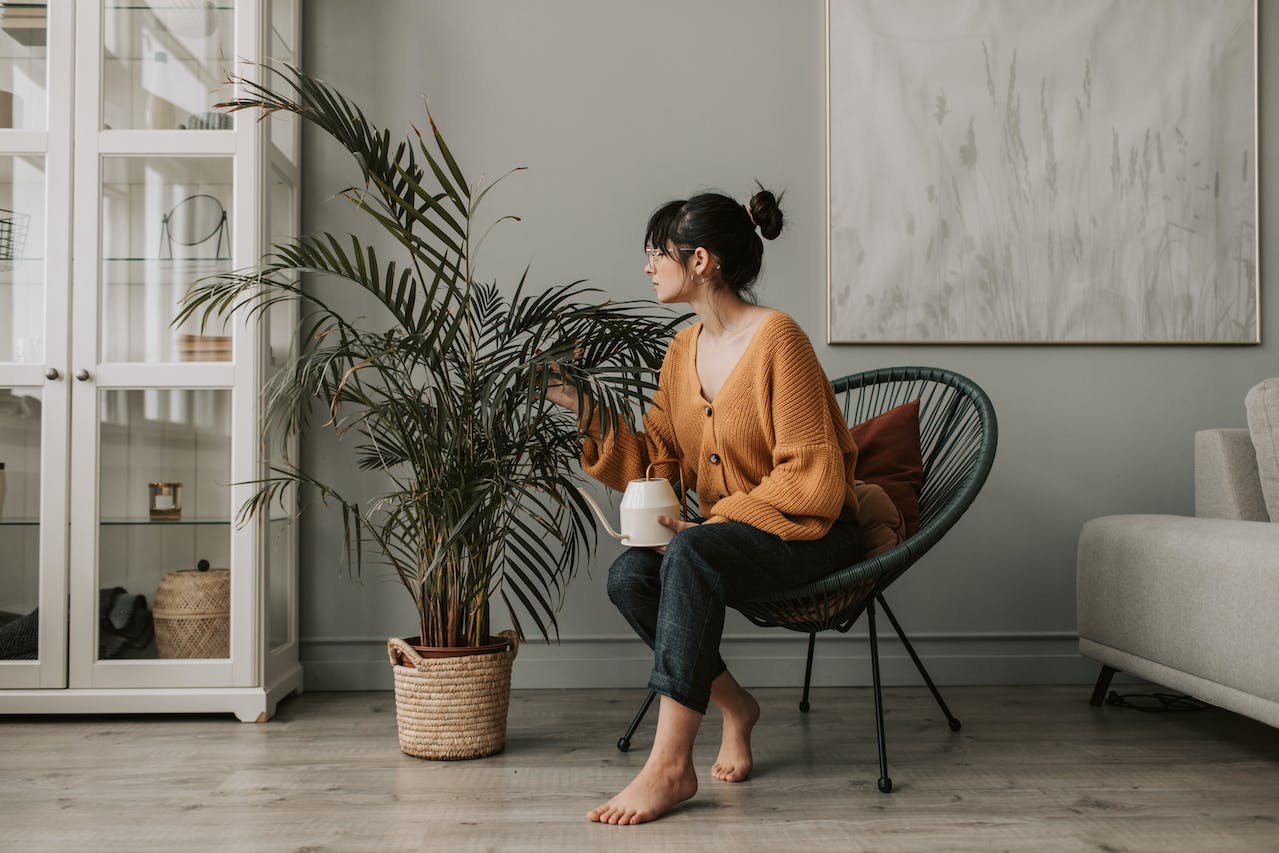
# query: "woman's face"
[[672, 281]]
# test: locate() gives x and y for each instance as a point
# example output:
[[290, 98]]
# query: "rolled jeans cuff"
[[667, 686]]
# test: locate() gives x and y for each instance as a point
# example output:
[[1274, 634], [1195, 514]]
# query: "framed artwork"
[[1042, 171]]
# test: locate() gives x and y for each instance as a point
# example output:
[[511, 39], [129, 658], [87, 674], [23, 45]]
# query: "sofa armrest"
[[1193, 594], [1227, 484]]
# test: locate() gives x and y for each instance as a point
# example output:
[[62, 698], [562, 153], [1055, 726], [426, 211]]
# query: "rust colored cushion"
[[880, 519], [888, 455]]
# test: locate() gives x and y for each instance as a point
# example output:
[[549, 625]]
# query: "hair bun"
[[765, 213]]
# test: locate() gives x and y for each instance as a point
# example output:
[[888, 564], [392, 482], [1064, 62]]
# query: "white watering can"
[[642, 502]]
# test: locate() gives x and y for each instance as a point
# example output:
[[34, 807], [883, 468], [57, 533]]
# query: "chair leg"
[[885, 783], [1103, 684], [919, 664], [624, 742], [808, 672]]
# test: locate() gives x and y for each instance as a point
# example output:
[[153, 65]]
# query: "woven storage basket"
[[193, 614], [452, 707]]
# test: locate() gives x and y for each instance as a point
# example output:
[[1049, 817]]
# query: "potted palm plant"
[[445, 398]]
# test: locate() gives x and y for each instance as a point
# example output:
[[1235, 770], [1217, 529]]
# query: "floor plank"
[[1034, 768]]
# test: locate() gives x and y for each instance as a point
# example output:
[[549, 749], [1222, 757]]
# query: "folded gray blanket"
[[19, 638], [124, 626]]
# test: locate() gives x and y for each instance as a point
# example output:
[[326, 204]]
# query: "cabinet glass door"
[[164, 62], [35, 179], [22, 287], [165, 225], [282, 47], [165, 524], [279, 331], [21, 421], [24, 29]]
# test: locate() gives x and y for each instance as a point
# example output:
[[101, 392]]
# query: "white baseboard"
[[775, 660]]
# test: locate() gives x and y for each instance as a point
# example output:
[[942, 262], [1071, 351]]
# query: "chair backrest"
[[958, 434], [957, 429]]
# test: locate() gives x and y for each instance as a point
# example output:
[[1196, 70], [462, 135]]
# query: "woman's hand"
[[562, 394], [559, 392], [673, 524]]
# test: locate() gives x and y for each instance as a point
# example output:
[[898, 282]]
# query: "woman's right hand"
[[562, 394], [559, 392]]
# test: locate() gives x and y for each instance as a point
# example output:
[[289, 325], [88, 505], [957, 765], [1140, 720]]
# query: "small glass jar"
[[166, 501]]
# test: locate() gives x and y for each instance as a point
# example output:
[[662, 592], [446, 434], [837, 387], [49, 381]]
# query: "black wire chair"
[[958, 434]]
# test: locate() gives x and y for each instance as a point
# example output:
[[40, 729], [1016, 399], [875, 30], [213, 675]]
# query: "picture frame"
[[1042, 172]]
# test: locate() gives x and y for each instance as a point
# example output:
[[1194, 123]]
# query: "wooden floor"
[[1034, 769]]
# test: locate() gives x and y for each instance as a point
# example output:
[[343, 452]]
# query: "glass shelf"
[[182, 522], [170, 7], [168, 260], [122, 522]]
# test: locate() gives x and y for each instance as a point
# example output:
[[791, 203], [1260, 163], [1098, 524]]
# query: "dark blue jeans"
[[676, 602]]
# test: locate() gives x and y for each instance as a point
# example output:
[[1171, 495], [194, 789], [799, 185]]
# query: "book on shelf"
[[25, 23], [204, 347]]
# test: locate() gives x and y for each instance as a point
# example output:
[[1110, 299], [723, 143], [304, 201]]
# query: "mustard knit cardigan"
[[772, 451]]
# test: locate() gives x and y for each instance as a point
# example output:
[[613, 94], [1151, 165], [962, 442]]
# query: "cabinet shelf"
[[175, 7], [182, 522], [167, 260], [129, 522]]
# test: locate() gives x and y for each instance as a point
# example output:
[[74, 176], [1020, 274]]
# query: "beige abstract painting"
[[1042, 171]]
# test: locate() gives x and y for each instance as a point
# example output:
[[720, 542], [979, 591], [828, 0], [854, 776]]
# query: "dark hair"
[[722, 227]]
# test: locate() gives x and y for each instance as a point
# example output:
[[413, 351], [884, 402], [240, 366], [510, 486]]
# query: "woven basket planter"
[[452, 707], [193, 614]]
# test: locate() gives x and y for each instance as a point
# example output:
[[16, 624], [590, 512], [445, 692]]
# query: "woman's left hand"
[[674, 524]]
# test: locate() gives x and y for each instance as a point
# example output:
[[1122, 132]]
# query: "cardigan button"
[[708, 411], [714, 458]]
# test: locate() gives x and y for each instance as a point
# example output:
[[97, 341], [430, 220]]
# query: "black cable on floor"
[[1155, 703]]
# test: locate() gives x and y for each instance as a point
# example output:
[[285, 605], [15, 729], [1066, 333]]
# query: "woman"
[[744, 407]]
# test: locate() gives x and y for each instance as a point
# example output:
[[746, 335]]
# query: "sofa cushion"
[[888, 455], [1226, 481], [1262, 404]]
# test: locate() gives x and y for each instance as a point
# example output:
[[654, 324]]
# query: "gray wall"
[[617, 107]]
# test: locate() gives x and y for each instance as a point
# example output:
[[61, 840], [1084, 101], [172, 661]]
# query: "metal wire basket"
[[13, 235]]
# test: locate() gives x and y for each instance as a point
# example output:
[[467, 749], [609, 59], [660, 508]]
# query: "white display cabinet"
[[128, 443]]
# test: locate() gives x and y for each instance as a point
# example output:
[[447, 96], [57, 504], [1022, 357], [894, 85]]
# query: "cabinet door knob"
[[52, 373], [82, 374]]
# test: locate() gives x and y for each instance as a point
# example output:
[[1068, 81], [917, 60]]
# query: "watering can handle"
[[683, 492]]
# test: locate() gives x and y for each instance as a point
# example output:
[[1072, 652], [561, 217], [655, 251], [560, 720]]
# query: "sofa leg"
[[1102, 685]]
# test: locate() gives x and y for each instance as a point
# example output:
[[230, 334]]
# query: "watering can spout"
[[599, 512]]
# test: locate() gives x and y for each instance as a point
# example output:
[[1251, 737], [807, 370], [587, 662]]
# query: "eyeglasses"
[[653, 254]]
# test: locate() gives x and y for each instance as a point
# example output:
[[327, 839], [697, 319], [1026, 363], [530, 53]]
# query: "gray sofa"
[[1192, 603]]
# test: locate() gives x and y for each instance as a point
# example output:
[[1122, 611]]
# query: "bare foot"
[[734, 762], [656, 790]]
